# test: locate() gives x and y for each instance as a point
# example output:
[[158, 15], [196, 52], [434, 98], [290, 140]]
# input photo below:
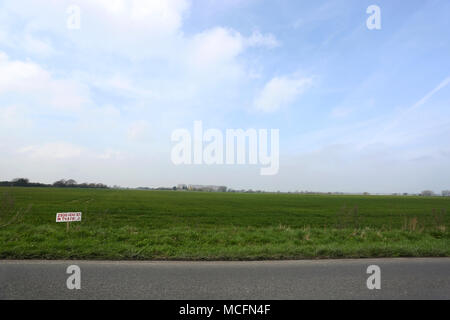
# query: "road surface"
[[401, 278]]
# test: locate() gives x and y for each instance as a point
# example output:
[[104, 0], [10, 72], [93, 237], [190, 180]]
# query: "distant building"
[[194, 187]]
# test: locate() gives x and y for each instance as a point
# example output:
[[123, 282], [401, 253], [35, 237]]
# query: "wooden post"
[[67, 226]]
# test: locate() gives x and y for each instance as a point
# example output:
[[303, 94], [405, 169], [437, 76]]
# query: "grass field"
[[132, 224]]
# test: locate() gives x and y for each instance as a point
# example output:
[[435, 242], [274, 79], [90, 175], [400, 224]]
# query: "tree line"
[[70, 183]]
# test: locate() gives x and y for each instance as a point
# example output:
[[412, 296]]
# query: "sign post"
[[68, 217]]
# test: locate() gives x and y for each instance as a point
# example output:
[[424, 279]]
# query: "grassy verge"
[[220, 226]]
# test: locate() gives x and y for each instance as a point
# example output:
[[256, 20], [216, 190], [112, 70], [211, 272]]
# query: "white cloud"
[[280, 92], [132, 28], [156, 15], [29, 80], [110, 154], [220, 45], [119, 83], [139, 130], [214, 46], [14, 117], [66, 151], [53, 150], [26, 41], [17, 75], [143, 16], [41, 47], [262, 40]]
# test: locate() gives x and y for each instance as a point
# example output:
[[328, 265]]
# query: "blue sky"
[[358, 109]]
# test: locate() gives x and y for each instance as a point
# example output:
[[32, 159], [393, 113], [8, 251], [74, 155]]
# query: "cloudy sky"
[[357, 109]]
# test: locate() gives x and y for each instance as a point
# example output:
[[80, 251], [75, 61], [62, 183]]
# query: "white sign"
[[68, 216]]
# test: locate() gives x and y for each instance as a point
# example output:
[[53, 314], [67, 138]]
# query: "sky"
[[358, 109]]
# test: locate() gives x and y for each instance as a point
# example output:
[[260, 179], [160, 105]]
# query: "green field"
[[157, 225]]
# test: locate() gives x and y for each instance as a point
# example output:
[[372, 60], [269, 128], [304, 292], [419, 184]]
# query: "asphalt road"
[[401, 278]]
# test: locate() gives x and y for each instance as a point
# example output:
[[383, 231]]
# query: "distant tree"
[[21, 182], [71, 183], [446, 193], [59, 183]]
